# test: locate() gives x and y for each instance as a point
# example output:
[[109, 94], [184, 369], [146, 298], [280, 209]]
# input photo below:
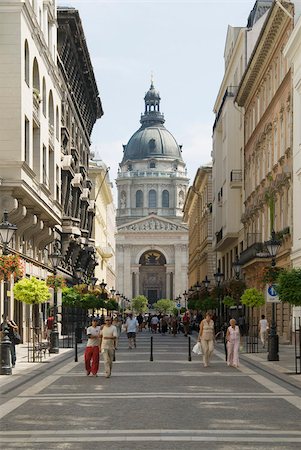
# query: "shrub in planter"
[[252, 298]]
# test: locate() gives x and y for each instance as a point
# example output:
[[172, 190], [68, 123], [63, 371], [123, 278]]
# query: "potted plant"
[[139, 304], [33, 292]]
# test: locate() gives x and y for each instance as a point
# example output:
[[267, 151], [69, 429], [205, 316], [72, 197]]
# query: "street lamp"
[[206, 283], [273, 246], [236, 265], [7, 231], [218, 276], [55, 259]]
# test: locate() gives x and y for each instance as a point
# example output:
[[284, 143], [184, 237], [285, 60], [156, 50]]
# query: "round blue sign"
[[179, 305], [272, 291]]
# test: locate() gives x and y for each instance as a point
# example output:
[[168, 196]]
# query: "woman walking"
[[206, 337], [233, 340]]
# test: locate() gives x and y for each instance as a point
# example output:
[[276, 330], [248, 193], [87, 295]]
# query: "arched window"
[[152, 199], [26, 63], [51, 111], [152, 165], [139, 199], [165, 199], [57, 123], [44, 97]]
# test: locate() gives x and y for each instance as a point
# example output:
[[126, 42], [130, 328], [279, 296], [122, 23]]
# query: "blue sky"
[[182, 43]]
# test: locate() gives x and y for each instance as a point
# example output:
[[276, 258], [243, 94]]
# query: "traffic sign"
[[178, 305], [272, 294]]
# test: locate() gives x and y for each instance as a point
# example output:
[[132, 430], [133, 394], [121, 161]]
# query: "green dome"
[[152, 140]]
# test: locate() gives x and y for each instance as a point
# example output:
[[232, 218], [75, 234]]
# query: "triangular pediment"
[[154, 224]]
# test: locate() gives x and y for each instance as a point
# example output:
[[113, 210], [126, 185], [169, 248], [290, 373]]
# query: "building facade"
[[47, 114], [152, 240], [198, 216], [104, 228], [265, 93], [292, 51]]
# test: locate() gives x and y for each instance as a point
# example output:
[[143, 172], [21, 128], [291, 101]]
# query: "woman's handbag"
[[197, 349], [17, 338]]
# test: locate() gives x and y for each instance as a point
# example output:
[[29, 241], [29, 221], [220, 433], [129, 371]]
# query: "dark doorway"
[[152, 296]]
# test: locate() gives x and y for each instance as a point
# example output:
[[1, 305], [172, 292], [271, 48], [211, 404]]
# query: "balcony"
[[255, 249], [236, 179]]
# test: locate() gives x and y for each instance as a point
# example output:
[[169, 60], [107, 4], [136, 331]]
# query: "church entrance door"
[[152, 275]]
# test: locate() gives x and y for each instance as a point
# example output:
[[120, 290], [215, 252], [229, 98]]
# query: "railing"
[[150, 173], [297, 326]]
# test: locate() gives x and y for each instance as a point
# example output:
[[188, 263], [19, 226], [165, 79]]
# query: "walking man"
[[92, 349], [108, 340], [11, 327], [263, 329], [131, 328]]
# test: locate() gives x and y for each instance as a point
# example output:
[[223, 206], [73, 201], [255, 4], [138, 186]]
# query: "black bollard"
[[151, 353], [75, 350], [189, 348]]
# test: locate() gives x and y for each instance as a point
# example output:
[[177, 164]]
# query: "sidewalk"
[[23, 367], [284, 367]]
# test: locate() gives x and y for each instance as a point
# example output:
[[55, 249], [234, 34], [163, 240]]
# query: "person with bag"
[[186, 323], [13, 335], [206, 337]]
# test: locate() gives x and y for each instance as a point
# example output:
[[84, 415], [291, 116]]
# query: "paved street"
[[169, 403]]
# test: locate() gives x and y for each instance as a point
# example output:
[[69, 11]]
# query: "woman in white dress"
[[233, 340]]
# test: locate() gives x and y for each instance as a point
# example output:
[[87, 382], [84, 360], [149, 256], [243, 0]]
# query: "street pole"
[[54, 335], [273, 246], [7, 231]]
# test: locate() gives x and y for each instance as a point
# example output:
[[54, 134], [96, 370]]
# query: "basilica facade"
[[152, 240]]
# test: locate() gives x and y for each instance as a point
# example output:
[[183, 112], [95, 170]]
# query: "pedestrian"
[[263, 329], [49, 326], [11, 327], [117, 322], [140, 321], [186, 323], [108, 340], [242, 325], [164, 324], [206, 337], [92, 349], [154, 323], [131, 329], [174, 325], [233, 341]]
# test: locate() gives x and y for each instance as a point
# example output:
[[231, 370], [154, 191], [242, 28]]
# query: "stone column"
[[168, 285], [177, 272], [127, 278]]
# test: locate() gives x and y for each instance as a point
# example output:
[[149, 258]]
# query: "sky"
[[182, 44]]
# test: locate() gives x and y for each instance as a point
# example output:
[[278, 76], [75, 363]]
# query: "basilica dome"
[[152, 140]]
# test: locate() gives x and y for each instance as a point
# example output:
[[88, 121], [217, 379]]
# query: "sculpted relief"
[[153, 225]]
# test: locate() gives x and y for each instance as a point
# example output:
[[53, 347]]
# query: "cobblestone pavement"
[[169, 403]]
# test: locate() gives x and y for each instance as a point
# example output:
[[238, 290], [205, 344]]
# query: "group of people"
[[101, 339], [232, 339]]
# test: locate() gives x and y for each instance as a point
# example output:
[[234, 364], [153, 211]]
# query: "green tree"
[[32, 291], [139, 304], [229, 301], [289, 286], [164, 306], [70, 297], [252, 298]]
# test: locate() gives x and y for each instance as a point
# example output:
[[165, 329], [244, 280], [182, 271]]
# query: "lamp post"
[[55, 258], [218, 276], [273, 246], [7, 231]]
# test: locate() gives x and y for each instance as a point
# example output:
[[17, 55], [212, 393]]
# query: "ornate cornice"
[[274, 25]]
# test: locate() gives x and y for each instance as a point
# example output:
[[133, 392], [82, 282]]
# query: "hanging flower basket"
[[10, 265], [57, 282]]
